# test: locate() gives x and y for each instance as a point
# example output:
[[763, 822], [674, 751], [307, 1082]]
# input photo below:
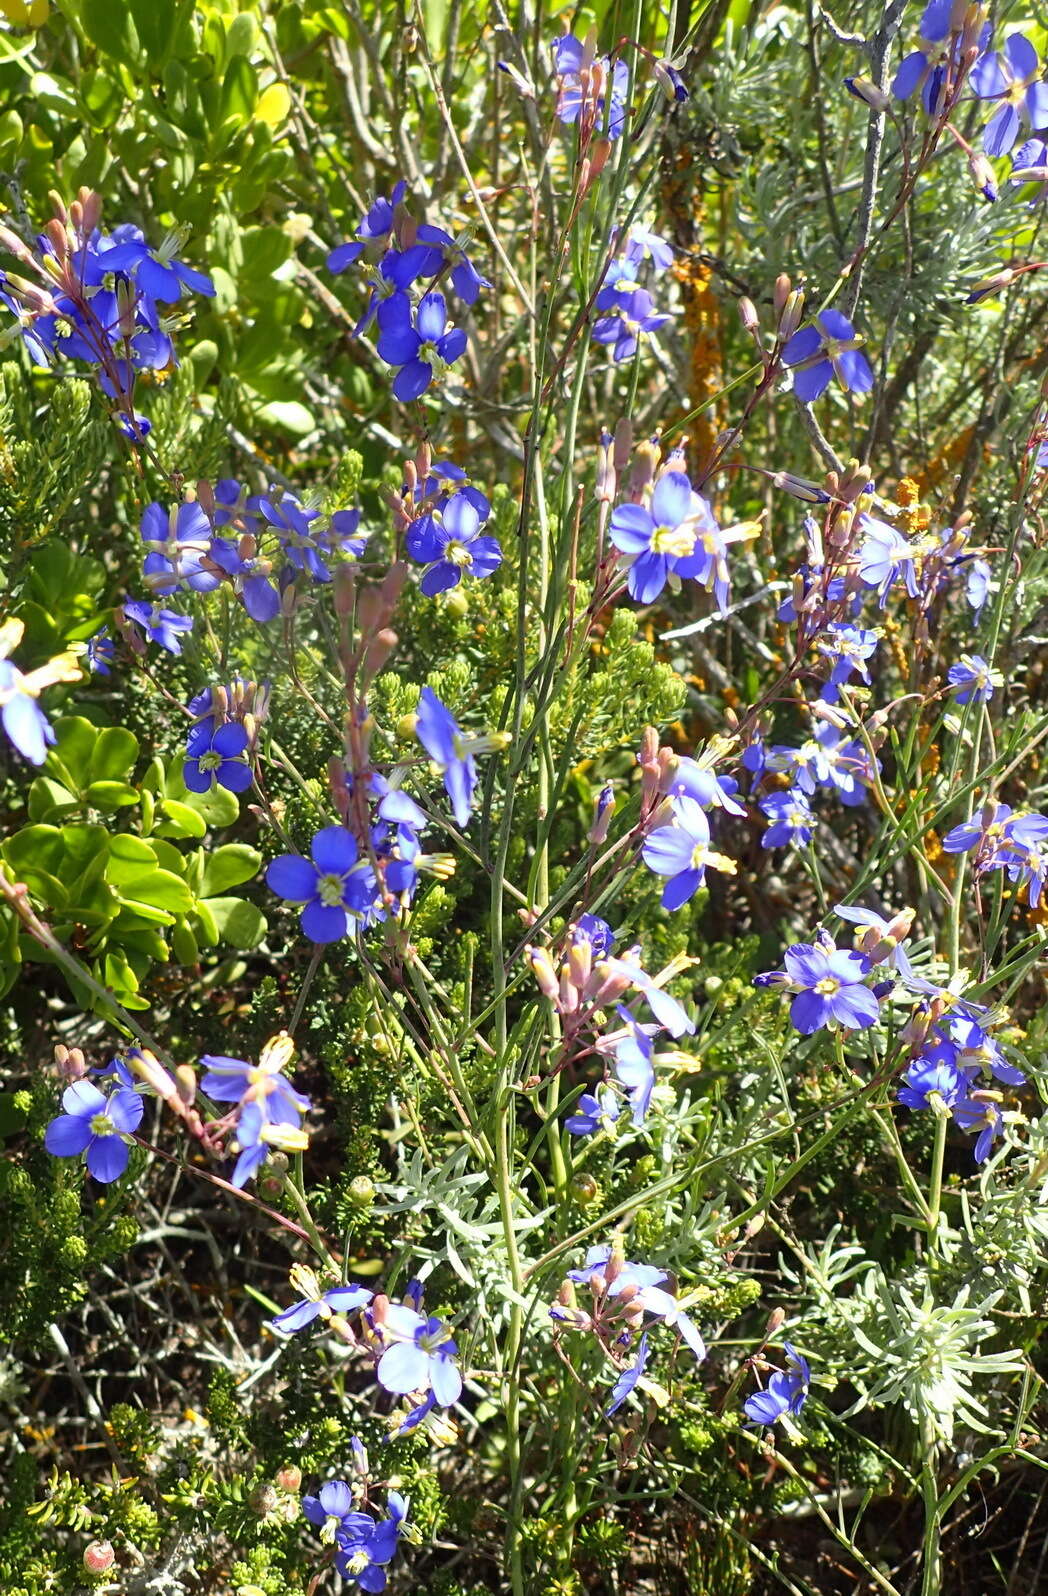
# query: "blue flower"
[[642, 245], [422, 350], [421, 1356], [935, 1073], [930, 68], [791, 822], [179, 543], [594, 1111], [620, 288], [973, 679], [366, 1547], [830, 987], [445, 743], [373, 231], [235, 1080], [249, 574], [97, 1125], [623, 328], [976, 1048], [156, 271], [634, 1069], [316, 1304], [829, 348], [1012, 77], [100, 652], [847, 648], [24, 721], [682, 852], [629, 1378], [448, 542], [160, 626], [658, 538], [977, 585], [333, 886], [331, 1510], [981, 1114], [885, 555], [786, 1392], [214, 755], [447, 251]]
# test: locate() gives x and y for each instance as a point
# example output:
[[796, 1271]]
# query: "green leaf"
[[133, 850], [229, 866], [287, 415], [208, 925], [157, 24], [116, 750], [184, 945], [49, 800], [70, 758], [108, 25], [41, 846], [239, 92], [241, 924], [103, 98], [109, 796], [157, 889], [181, 820]]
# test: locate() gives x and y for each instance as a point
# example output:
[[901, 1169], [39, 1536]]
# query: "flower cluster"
[[955, 1045], [785, 1394], [269, 1111], [414, 1354], [356, 877], [591, 91], [623, 1296], [441, 514], [97, 298], [627, 309], [262, 546], [396, 255], [666, 532], [364, 1545], [1002, 839]]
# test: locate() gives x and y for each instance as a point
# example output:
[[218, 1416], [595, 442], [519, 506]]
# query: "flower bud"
[[544, 973], [99, 1557], [361, 1191], [748, 315], [186, 1083], [983, 176], [262, 1499], [868, 93], [670, 81], [623, 445], [776, 1320], [70, 1063], [989, 286], [781, 293], [604, 809], [792, 316]]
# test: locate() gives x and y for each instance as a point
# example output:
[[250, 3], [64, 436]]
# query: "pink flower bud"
[[99, 1557]]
